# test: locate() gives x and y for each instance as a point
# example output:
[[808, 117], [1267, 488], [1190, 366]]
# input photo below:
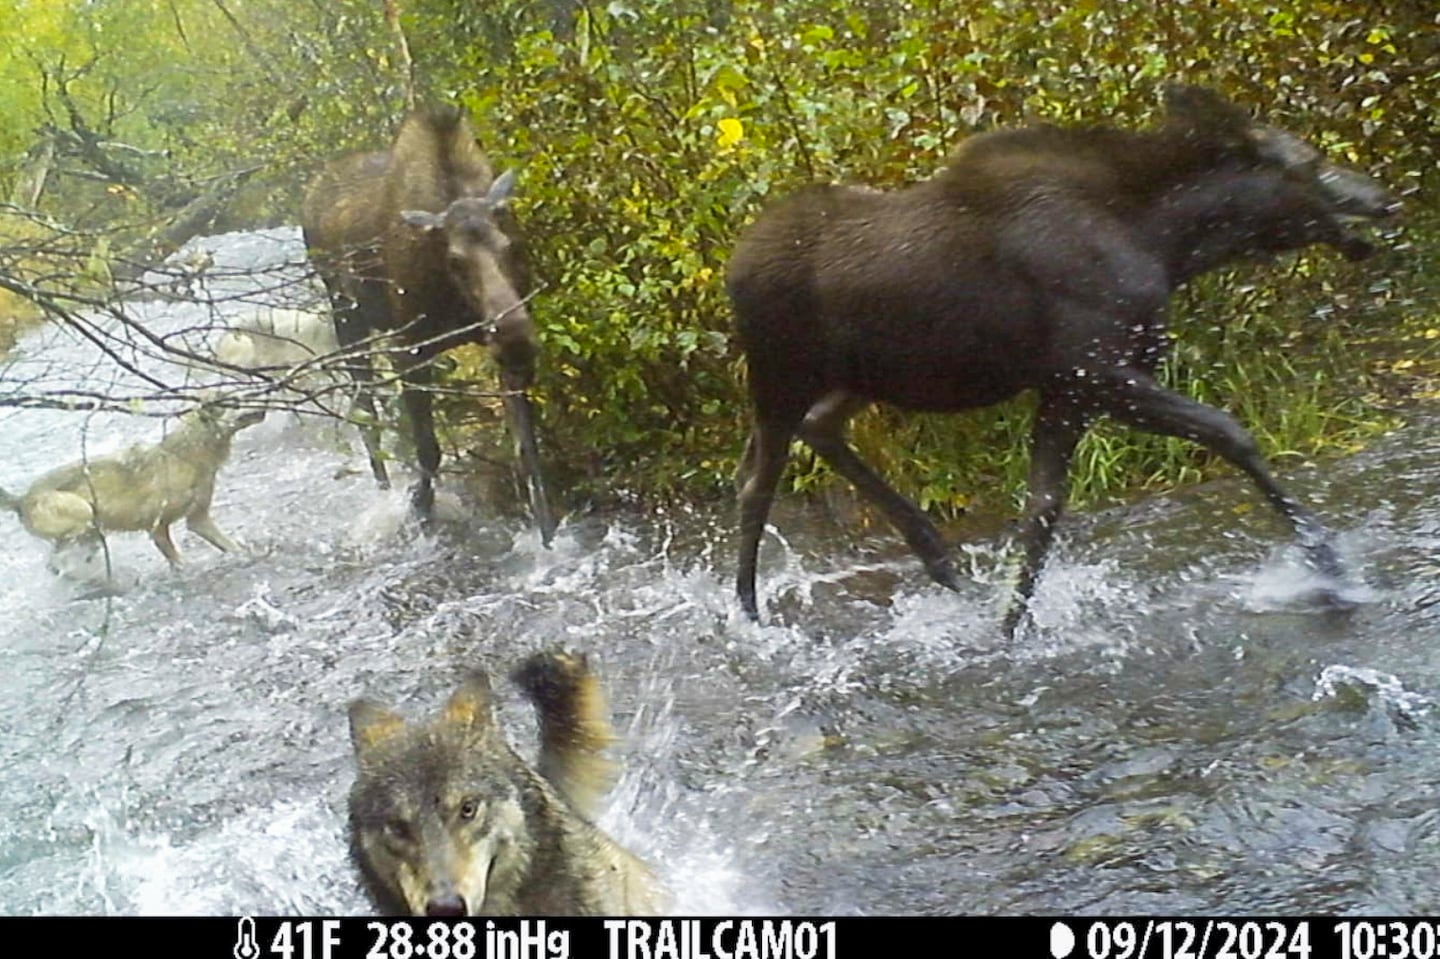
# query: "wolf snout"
[[452, 904], [1356, 200]]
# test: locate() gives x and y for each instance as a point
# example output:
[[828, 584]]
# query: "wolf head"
[[224, 421], [438, 822]]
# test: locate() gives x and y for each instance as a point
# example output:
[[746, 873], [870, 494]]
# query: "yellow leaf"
[[731, 132]]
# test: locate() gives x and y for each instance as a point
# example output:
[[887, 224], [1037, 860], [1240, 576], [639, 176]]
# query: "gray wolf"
[[447, 819], [1037, 259], [146, 487], [419, 240]]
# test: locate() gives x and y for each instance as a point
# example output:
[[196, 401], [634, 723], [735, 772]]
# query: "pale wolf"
[[275, 338], [142, 488], [288, 345], [446, 819]]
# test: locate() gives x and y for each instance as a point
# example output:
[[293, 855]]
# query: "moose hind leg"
[[369, 424], [355, 320], [824, 430], [763, 462]]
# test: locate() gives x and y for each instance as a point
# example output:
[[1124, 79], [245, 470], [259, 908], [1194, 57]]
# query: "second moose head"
[[418, 241]]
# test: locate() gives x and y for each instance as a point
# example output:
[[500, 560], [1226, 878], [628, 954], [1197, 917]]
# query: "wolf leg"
[[204, 527], [575, 729], [161, 537]]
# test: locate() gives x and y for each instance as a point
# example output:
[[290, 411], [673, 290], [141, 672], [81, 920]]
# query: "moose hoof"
[[1322, 558], [750, 606], [422, 503], [942, 572], [1333, 591], [1015, 621]]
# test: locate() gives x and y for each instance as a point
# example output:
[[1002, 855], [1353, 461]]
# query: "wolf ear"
[[469, 707], [371, 726]]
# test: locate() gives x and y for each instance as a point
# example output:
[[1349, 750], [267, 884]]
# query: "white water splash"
[[1286, 582], [1374, 686]]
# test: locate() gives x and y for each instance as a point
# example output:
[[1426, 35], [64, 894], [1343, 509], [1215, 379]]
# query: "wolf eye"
[[469, 809], [397, 829]]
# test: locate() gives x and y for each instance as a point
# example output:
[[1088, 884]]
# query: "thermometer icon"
[[245, 946]]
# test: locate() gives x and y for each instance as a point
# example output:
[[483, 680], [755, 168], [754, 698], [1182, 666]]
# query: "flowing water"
[[1181, 732]]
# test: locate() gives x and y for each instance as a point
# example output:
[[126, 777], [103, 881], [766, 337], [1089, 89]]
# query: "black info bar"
[[271, 937]]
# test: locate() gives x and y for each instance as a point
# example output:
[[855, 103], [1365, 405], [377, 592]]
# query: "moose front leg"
[[419, 407], [1058, 428], [1133, 397]]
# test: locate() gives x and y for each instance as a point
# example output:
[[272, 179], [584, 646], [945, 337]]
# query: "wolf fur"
[[142, 488], [276, 340], [446, 818]]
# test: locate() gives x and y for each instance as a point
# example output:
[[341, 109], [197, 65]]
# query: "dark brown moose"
[[419, 241], [1038, 259]]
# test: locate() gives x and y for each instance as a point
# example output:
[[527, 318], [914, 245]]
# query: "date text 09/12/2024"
[[1247, 939]]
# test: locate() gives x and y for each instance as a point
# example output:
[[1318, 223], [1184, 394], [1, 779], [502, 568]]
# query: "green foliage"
[[186, 90]]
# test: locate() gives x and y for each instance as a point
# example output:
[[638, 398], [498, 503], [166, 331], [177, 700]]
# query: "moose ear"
[[500, 190], [1202, 112], [1283, 148], [423, 219], [371, 726], [469, 707]]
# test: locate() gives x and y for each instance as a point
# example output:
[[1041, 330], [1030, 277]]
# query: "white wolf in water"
[[275, 340], [146, 487]]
